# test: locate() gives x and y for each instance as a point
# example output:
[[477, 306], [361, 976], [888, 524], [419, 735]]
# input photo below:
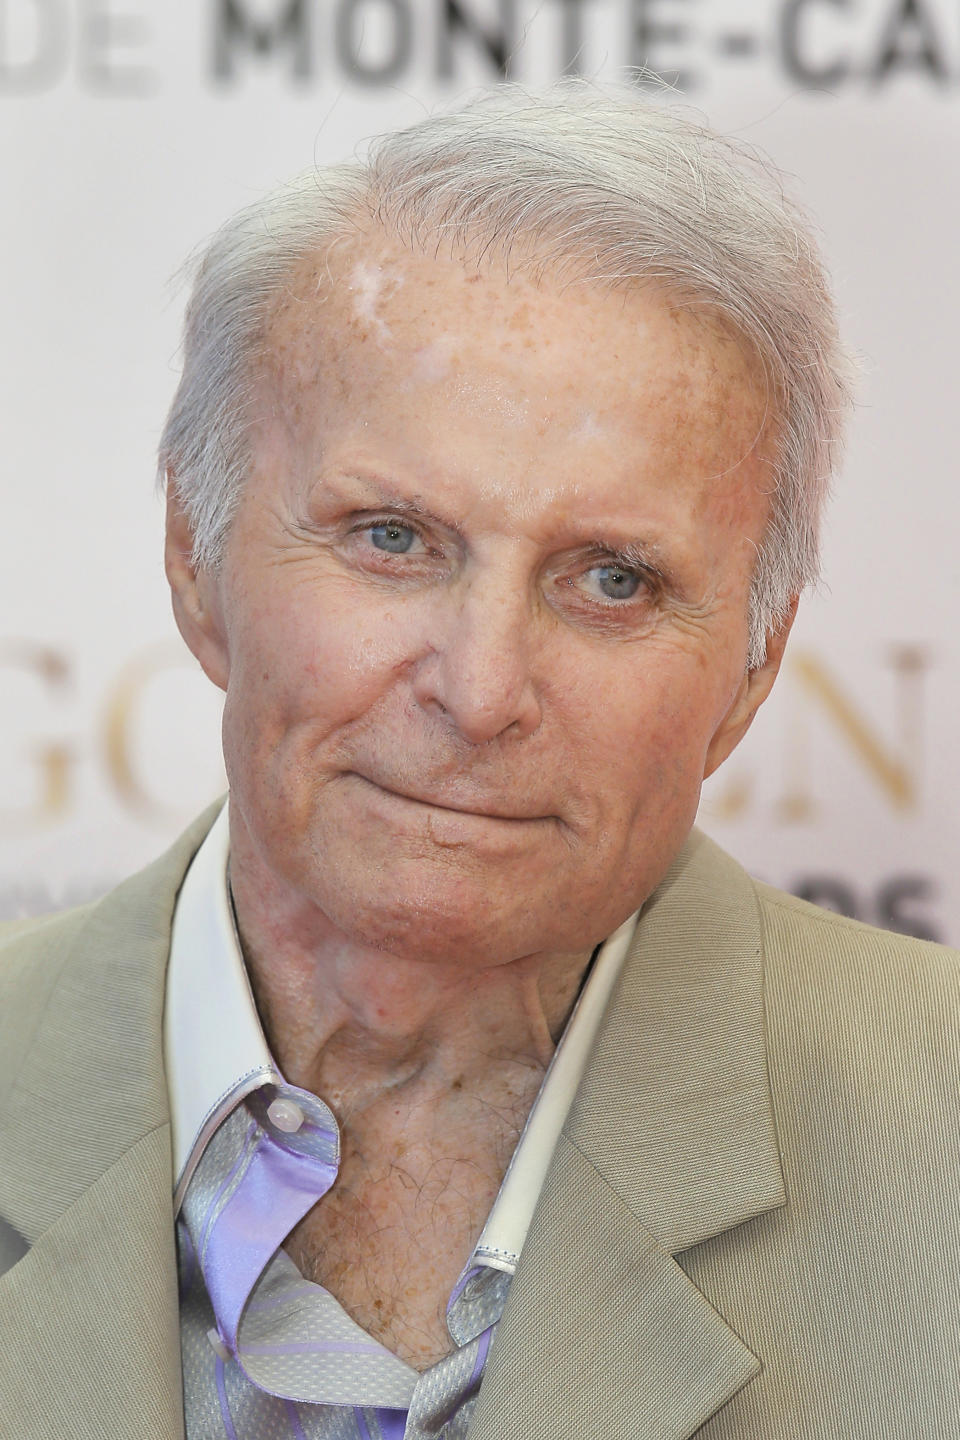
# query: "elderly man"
[[491, 1100]]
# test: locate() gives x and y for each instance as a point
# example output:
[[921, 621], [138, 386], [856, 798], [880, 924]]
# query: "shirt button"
[[217, 1344], [286, 1115]]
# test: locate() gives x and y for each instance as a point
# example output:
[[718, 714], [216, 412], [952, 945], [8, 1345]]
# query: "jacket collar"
[[85, 1177], [671, 1141], [676, 1112]]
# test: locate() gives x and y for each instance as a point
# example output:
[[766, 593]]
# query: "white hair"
[[594, 184]]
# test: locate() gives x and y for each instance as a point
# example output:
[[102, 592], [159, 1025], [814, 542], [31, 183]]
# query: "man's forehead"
[[369, 311], [352, 288]]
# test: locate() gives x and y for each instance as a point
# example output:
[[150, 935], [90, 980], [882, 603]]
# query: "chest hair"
[[391, 1237]]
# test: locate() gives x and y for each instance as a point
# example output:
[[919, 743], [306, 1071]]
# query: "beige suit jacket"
[[749, 1228]]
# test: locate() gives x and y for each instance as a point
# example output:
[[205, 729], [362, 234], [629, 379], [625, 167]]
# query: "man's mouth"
[[484, 808]]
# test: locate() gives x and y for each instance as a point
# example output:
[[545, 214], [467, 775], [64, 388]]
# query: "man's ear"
[[754, 689], [195, 594]]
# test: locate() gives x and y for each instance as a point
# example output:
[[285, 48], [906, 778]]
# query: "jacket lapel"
[[669, 1142], [89, 1316]]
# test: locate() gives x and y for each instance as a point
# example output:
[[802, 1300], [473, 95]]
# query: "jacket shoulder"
[[22, 942], [32, 957], [38, 955], [863, 1029], [798, 933]]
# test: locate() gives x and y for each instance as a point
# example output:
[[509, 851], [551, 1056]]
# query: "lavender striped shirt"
[[267, 1353]]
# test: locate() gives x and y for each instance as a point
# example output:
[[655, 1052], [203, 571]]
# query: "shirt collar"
[[214, 1047], [216, 1053], [509, 1220]]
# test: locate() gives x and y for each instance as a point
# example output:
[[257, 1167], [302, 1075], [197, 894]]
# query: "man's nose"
[[478, 670]]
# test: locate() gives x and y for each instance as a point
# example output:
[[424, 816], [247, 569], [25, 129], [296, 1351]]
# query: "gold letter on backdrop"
[[125, 705], [895, 772], [53, 757]]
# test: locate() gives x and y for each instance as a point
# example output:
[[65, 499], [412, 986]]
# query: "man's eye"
[[393, 537], [615, 582]]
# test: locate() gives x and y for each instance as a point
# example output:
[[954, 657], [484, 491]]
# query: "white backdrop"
[[130, 128]]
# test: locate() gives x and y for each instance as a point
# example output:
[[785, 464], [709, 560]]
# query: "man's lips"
[[488, 810]]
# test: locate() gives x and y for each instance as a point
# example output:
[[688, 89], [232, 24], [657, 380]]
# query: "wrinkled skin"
[[482, 745]]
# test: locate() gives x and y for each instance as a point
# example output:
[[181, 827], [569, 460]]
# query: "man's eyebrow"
[[635, 553], [631, 552], [374, 491]]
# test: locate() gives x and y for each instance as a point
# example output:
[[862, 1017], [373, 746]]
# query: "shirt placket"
[[254, 1183], [289, 1337]]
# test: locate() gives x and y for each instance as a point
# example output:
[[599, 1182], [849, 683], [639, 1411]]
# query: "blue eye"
[[616, 582], [392, 537]]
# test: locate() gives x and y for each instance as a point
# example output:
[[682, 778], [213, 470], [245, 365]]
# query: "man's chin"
[[426, 918]]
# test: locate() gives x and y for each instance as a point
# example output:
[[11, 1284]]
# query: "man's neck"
[[349, 1021]]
